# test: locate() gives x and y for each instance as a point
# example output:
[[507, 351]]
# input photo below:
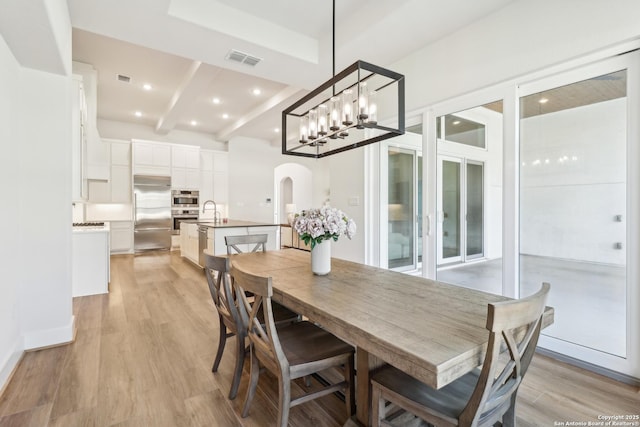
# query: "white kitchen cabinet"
[[90, 262], [97, 157], [185, 167], [206, 175], [151, 158], [189, 241], [118, 188], [121, 236], [79, 185], [216, 243]]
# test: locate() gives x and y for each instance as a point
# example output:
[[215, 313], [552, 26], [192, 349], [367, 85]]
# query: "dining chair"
[[258, 240], [233, 322], [483, 397], [292, 351], [230, 320]]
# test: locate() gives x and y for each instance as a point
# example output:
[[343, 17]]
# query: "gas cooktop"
[[88, 224]]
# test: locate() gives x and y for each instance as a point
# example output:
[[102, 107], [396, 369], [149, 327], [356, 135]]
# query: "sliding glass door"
[[468, 180], [578, 200], [404, 228]]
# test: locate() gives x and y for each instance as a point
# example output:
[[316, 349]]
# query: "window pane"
[[572, 208], [401, 230]]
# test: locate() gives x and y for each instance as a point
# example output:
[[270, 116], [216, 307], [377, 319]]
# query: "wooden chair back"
[[258, 240], [221, 288], [263, 336], [514, 325]]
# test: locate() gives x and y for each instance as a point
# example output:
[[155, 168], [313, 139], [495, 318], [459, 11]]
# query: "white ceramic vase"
[[321, 258]]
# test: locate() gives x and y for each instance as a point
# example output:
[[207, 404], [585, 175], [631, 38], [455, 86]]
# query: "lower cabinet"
[[189, 242], [90, 262], [121, 237], [217, 245]]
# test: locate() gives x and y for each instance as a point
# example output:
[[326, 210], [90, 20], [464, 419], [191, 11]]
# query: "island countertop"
[[231, 223]]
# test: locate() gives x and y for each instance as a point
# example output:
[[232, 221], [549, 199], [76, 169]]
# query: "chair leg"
[[509, 417], [350, 392], [253, 383], [222, 340], [377, 407], [237, 373], [284, 401]]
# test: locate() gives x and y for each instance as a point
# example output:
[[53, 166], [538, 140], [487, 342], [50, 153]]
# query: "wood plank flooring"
[[143, 355]]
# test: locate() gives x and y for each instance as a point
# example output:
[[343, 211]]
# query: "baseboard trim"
[[51, 337], [614, 375], [9, 368]]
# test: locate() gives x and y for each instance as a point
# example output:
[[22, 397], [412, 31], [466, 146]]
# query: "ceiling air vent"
[[123, 78], [243, 58]]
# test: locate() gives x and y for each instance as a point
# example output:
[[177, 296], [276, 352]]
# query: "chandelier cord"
[[333, 43]]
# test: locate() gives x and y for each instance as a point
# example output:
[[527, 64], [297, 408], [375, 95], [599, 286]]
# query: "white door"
[[579, 198]]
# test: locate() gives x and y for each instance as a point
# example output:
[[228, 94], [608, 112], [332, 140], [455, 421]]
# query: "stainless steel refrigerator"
[[152, 212]]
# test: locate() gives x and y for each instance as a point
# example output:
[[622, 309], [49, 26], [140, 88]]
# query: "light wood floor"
[[143, 355]]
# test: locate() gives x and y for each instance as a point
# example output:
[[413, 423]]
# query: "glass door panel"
[[469, 197], [451, 238], [573, 205], [401, 187], [475, 210]]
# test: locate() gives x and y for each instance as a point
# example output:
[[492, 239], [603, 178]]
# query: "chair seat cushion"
[[448, 401], [305, 342]]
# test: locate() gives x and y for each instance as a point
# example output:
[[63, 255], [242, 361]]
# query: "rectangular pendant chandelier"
[[343, 113]]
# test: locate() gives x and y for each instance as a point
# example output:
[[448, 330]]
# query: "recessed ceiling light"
[[457, 122], [193, 123], [138, 113], [276, 130], [216, 100], [543, 100], [256, 91], [225, 116], [146, 86]]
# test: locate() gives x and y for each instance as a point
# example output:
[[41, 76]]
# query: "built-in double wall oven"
[[184, 206]]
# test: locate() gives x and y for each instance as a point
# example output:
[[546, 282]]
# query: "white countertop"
[[91, 229]]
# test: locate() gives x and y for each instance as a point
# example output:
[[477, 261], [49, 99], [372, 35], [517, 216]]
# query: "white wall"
[[35, 117], [11, 343], [524, 37], [252, 163], [346, 171], [568, 207]]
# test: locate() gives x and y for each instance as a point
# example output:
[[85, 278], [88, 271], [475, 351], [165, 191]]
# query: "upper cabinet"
[[118, 188], [79, 142], [96, 156], [185, 167], [151, 158]]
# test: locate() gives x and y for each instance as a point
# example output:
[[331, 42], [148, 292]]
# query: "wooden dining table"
[[432, 330]]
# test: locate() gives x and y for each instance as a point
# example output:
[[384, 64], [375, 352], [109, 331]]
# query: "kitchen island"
[[198, 235], [90, 262]]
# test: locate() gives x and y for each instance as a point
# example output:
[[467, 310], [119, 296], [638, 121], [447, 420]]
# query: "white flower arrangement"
[[317, 225]]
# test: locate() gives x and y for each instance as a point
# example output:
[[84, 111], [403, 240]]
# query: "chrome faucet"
[[216, 214]]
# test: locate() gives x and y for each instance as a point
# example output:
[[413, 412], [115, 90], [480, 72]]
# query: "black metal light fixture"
[[342, 113]]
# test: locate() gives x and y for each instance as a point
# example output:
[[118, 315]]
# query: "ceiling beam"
[[196, 81], [261, 109]]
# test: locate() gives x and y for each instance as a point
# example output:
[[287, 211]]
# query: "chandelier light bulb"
[[313, 124], [363, 103], [334, 120], [347, 107], [373, 107], [322, 119], [304, 130]]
